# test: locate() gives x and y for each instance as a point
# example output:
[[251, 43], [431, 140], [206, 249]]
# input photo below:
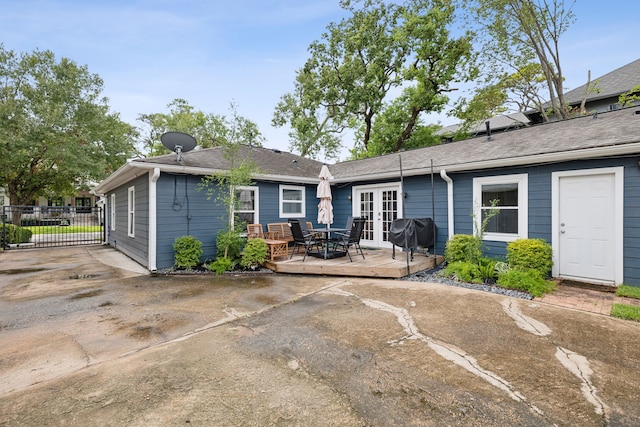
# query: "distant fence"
[[50, 226]]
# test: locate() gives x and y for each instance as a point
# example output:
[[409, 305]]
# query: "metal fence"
[[49, 226]]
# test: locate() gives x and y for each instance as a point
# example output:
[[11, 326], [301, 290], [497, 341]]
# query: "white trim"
[[112, 218], [618, 173], [153, 219], [303, 208], [131, 211], [450, 216], [523, 205]]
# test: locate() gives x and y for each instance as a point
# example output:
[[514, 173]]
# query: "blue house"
[[574, 183]]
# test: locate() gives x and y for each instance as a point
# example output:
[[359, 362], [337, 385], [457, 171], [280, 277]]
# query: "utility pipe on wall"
[[449, 181], [153, 222]]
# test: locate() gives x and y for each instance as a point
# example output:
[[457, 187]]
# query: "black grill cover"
[[410, 233]]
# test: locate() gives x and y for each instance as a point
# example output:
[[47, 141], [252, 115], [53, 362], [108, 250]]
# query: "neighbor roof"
[[612, 84], [612, 133]]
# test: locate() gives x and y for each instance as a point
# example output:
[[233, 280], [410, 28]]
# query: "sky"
[[213, 53]]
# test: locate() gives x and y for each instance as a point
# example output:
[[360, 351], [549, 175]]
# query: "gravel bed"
[[432, 276]]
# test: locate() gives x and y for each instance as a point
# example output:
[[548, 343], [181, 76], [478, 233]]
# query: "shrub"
[[531, 281], [229, 244], [12, 234], [463, 271], [188, 251], [254, 254], [220, 265], [487, 269], [463, 247], [530, 254]]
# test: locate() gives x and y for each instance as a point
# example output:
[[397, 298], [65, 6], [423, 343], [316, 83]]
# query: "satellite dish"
[[178, 142]]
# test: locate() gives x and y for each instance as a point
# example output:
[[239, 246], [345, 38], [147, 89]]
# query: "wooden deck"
[[377, 263]]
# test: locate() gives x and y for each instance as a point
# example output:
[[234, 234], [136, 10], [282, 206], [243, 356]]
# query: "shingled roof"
[[612, 133], [612, 84]]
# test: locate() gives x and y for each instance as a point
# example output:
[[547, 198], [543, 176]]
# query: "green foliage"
[[56, 130], [13, 234], [624, 311], [254, 253], [220, 265], [627, 99], [526, 254], [487, 268], [229, 244], [628, 291], [359, 66], [463, 271], [188, 251], [530, 281], [463, 247]]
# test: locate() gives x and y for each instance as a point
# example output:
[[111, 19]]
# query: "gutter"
[[449, 181], [153, 220]]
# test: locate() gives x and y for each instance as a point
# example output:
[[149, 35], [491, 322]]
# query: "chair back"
[[296, 230], [255, 231], [356, 230], [349, 223]]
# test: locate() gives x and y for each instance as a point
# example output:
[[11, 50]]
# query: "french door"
[[380, 205]]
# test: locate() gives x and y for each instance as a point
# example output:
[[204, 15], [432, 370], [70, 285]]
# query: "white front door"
[[589, 225], [380, 205]]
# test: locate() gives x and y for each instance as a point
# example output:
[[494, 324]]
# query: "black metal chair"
[[351, 238], [301, 239]]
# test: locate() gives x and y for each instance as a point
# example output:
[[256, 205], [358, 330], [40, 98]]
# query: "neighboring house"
[[573, 183], [500, 123], [150, 202], [605, 93]]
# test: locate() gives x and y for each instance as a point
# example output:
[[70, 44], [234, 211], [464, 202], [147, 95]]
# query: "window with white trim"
[[246, 210], [131, 208], [112, 205], [509, 193], [292, 201]]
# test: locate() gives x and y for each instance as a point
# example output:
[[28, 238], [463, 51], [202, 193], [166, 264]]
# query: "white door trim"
[[618, 173], [377, 189]]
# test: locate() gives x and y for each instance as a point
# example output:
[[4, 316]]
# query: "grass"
[[628, 291], [65, 229], [627, 312]]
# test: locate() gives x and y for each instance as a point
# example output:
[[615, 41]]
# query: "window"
[[113, 211], [247, 205], [509, 193], [131, 208], [292, 201]]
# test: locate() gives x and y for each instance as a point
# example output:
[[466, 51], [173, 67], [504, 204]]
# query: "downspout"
[[153, 228], [449, 181]]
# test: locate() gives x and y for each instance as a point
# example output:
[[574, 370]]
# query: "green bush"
[[12, 234], [530, 254], [463, 247], [531, 281], [229, 244], [487, 269], [463, 271], [188, 251], [220, 265], [254, 254]]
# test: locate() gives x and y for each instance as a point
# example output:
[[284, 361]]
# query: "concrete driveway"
[[85, 342]]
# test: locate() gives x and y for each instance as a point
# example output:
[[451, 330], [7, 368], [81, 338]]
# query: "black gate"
[[49, 226]]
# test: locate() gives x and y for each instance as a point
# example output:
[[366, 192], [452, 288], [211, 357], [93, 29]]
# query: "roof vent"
[[595, 114], [488, 125], [637, 112]]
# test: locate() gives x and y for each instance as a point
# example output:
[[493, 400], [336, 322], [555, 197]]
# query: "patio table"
[[326, 253]]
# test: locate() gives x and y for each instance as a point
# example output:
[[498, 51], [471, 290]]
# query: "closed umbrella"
[[325, 208]]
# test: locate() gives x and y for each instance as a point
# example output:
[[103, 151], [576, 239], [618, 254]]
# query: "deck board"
[[377, 263]]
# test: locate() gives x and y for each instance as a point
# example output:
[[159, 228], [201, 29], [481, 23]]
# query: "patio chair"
[[254, 231], [351, 238], [300, 239]]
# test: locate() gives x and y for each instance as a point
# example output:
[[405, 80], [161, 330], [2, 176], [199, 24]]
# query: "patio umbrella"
[[325, 208]]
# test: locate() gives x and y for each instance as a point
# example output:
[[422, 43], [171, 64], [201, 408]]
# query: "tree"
[[209, 130], [56, 132], [380, 51], [520, 30], [628, 99]]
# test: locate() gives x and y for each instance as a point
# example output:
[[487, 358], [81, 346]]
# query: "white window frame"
[[131, 209], [522, 180], [256, 209], [281, 201], [112, 205]]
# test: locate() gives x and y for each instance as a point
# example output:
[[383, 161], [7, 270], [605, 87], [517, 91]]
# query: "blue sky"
[[211, 53]]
